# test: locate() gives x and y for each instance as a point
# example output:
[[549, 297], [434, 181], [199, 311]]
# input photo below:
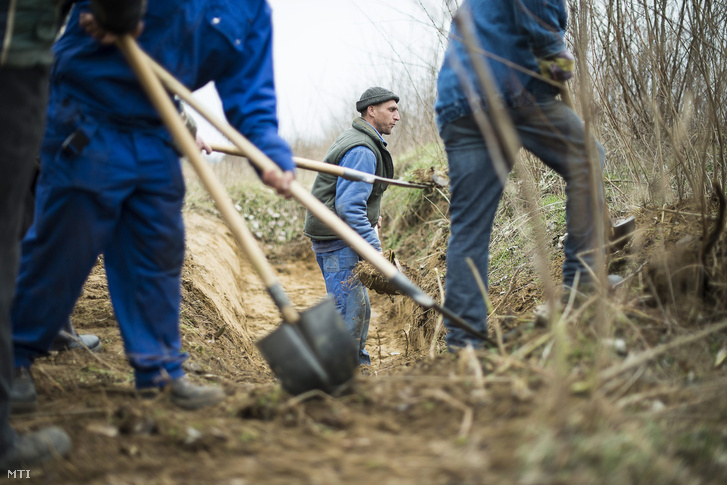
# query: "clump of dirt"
[[683, 250], [430, 175], [373, 279]]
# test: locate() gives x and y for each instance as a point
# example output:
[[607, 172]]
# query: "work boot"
[[35, 448], [585, 290], [68, 339], [23, 396], [191, 396]]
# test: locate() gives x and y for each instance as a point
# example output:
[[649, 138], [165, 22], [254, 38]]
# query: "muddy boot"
[[23, 397], [584, 291], [68, 339], [580, 295], [191, 396], [35, 448]]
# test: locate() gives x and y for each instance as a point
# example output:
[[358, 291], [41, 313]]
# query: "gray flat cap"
[[374, 95]]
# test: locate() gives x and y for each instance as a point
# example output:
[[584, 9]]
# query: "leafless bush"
[[659, 88]]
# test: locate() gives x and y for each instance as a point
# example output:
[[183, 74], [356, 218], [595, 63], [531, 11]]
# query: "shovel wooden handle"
[[164, 105], [263, 163], [309, 201], [329, 168]]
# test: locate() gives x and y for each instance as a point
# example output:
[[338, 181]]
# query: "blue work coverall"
[[510, 32], [111, 181]]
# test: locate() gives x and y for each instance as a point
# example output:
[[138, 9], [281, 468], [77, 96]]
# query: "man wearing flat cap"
[[360, 147]]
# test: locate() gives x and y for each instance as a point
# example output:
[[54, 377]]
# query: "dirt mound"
[[214, 279], [684, 256]]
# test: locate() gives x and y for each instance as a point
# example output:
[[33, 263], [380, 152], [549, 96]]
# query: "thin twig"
[[294, 401], [440, 318], [488, 303], [613, 371], [378, 338], [406, 337], [526, 349], [469, 354], [681, 213], [468, 413], [623, 389], [513, 281], [42, 370]]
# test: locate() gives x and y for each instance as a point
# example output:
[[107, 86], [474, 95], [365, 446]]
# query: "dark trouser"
[[555, 134], [23, 96]]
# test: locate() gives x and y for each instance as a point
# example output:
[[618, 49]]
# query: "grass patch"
[[271, 218]]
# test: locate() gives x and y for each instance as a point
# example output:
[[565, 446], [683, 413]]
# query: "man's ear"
[[370, 110]]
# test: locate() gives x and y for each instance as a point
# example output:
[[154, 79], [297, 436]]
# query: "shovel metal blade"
[[292, 361], [330, 340], [623, 232], [318, 352]]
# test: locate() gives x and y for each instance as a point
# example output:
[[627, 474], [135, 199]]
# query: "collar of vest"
[[362, 125]]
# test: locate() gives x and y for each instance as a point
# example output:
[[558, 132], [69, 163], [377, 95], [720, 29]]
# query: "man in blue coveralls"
[[514, 34], [112, 183], [360, 147]]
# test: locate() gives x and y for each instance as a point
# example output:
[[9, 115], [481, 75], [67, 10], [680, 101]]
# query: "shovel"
[[310, 350], [329, 168], [317, 208]]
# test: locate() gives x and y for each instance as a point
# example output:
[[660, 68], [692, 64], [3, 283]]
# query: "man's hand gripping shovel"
[[312, 349]]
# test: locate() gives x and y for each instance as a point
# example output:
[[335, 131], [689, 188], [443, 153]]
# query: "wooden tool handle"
[[263, 163], [164, 105]]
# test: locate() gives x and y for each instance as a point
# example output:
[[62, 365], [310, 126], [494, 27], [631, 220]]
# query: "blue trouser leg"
[[143, 264], [350, 295], [57, 255], [77, 206], [552, 132], [475, 194], [23, 95]]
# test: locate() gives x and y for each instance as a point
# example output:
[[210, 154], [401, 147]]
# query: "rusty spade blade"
[[622, 233]]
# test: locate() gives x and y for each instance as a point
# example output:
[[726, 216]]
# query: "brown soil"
[[530, 415]]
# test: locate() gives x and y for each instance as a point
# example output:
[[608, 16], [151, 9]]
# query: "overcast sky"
[[327, 52]]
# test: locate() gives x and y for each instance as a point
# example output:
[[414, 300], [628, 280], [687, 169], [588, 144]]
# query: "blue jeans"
[[555, 134], [349, 294]]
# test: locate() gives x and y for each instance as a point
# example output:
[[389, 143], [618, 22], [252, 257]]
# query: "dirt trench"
[[218, 280], [497, 417], [120, 438]]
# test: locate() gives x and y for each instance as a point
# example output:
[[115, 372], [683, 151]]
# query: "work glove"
[[558, 67], [118, 16]]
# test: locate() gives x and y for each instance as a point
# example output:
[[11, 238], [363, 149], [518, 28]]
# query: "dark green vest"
[[34, 28], [324, 187]]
